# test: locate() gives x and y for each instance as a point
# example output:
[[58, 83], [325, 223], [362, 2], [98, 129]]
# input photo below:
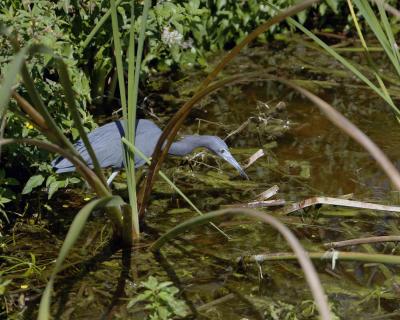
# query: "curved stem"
[[160, 154], [172, 128], [301, 255]]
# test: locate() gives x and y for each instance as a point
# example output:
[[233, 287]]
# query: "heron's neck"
[[187, 145]]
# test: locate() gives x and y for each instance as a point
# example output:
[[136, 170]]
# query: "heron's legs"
[[112, 177]]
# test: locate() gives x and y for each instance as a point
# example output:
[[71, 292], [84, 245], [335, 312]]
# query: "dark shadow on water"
[[65, 287], [120, 289], [88, 266]]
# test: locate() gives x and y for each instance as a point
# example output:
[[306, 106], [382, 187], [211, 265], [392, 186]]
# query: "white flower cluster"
[[173, 37]]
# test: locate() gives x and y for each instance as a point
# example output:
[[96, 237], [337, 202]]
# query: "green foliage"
[[33, 182], [53, 183], [159, 299], [6, 195], [42, 22]]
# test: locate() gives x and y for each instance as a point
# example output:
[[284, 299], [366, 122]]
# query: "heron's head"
[[220, 148]]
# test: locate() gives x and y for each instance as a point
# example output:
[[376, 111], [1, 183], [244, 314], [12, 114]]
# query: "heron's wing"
[[147, 134], [106, 143]]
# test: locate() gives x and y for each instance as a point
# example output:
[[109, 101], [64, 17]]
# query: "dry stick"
[[338, 202], [257, 204], [302, 256], [254, 158], [270, 192], [239, 129], [348, 127], [172, 128], [352, 242]]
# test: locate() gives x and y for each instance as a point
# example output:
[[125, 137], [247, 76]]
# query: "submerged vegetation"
[[67, 65]]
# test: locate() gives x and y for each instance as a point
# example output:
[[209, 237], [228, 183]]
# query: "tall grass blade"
[[373, 22], [367, 53], [72, 236], [139, 56], [305, 262], [10, 79], [118, 57], [345, 63], [389, 32], [131, 120], [133, 90]]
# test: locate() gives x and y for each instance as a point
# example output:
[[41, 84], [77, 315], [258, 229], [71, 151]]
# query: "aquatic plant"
[[159, 299]]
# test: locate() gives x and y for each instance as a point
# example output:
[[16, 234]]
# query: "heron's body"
[[107, 145]]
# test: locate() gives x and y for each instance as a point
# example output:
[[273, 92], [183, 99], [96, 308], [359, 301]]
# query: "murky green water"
[[305, 155]]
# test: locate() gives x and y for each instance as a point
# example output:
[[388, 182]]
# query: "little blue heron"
[[107, 145]]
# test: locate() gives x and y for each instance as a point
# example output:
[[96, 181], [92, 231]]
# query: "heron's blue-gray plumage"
[[107, 145]]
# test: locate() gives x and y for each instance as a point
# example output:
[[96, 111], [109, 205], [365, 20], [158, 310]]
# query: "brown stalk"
[[146, 189], [172, 128], [31, 111]]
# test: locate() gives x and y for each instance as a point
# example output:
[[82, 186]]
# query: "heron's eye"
[[222, 150]]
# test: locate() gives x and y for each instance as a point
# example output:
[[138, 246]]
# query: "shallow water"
[[306, 156]]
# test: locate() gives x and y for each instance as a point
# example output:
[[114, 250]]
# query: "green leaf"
[[74, 180], [141, 297], [163, 313], [163, 285], [151, 283], [33, 182], [4, 200], [54, 186], [302, 16], [49, 180], [322, 9]]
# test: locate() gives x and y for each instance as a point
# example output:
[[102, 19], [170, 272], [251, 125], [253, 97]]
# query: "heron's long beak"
[[229, 158]]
